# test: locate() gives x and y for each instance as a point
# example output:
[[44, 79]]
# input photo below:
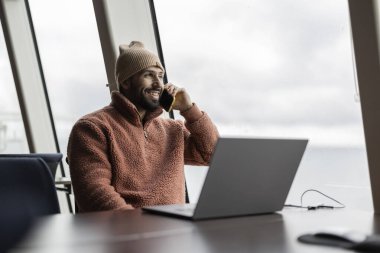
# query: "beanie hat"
[[132, 59]]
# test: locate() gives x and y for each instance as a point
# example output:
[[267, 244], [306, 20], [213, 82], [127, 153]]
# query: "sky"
[[277, 68], [258, 68]]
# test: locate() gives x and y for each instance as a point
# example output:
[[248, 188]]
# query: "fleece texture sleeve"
[[91, 170], [200, 136]]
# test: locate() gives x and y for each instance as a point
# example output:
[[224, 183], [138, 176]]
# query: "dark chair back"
[[51, 159], [27, 191]]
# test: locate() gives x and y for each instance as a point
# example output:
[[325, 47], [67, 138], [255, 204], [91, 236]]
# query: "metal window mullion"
[[364, 16], [159, 47], [27, 75], [106, 41], [29, 79]]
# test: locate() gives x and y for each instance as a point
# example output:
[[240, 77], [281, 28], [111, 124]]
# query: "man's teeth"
[[154, 92]]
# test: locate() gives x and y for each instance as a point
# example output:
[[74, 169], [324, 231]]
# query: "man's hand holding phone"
[[175, 98]]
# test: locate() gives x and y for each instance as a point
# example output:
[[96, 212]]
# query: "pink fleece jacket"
[[117, 162]]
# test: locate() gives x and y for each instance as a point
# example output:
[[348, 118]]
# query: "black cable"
[[318, 206], [313, 190]]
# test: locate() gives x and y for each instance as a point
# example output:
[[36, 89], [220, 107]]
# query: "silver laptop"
[[245, 177]]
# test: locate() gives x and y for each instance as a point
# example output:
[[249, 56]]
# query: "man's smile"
[[153, 93]]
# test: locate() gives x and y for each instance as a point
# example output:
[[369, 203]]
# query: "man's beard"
[[138, 98], [148, 104]]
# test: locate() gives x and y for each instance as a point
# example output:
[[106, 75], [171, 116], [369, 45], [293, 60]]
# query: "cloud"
[[262, 63]]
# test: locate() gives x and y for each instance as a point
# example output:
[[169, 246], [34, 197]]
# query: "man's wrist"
[[192, 114], [187, 108]]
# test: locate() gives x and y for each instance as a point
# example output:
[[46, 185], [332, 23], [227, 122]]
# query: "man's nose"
[[157, 80]]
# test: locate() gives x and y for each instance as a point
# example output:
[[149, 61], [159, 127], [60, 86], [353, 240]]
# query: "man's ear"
[[126, 84]]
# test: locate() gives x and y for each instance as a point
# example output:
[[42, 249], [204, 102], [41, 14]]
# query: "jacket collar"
[[129, 111]]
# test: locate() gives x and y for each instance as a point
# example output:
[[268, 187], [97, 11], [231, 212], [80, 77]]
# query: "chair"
[[27, 191], [51, 159]]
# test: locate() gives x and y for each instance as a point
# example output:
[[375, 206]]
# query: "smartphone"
[[166, 100]]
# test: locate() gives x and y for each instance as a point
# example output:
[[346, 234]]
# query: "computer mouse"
[[343, 238], [340, 234]]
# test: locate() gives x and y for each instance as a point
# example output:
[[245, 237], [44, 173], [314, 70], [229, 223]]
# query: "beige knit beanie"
[[132, 59]]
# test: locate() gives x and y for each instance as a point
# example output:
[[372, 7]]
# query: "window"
[[72, 61], [275, 69], [12, 132]]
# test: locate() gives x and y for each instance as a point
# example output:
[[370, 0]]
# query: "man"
[[125, 156]]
